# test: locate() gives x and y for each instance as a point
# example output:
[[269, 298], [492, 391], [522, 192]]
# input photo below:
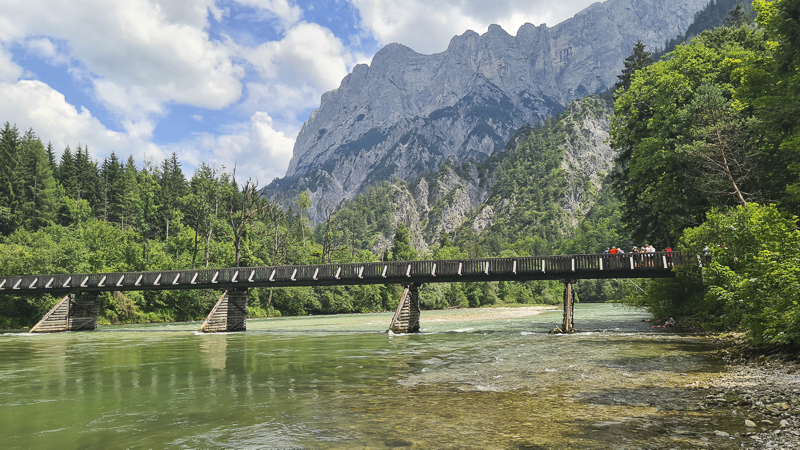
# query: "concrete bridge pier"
[[406, 318], [569, 303], [229, 314], [75, 312]]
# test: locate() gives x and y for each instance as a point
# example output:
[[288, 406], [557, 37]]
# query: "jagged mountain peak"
[[407, 112]]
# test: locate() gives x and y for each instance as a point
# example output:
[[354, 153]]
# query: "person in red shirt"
[[613, 256], [669, 256]]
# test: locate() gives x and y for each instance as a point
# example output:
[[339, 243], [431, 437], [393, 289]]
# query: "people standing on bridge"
[[668, 251], [613, 257]]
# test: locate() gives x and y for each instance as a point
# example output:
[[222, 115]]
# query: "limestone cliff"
[[406, 113]]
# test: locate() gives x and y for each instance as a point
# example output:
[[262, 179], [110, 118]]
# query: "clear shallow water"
[[342, 382]]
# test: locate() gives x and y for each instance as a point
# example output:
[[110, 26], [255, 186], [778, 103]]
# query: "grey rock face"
[[462, 194], [406, 113]]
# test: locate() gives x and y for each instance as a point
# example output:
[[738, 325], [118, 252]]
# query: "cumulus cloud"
[[287, 103], [47, 50], [255, 148], [427, 27], [34, 104], [139, 53], [308, 53], [286, 13], [9, 70]]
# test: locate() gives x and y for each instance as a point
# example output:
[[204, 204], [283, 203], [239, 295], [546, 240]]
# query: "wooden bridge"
[[79, 309]]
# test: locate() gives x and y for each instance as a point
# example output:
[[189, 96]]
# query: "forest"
[[707, 142], [708, 159]]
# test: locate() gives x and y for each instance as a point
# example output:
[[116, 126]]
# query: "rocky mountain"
[[407, 113], [543, 183]]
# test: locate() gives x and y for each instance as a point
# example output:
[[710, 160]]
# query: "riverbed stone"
[[749, 423]]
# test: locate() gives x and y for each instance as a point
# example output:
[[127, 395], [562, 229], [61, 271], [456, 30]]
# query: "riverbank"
[[761, 392]]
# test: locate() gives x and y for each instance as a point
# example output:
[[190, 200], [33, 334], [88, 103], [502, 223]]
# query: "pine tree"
[[201, 206], [129, 201], [87, 178], [402, 249], [638, 59], [738, 16], [112, 191], [9, 147], [173, 187], [65, 174], [35, 185], [51, 157]]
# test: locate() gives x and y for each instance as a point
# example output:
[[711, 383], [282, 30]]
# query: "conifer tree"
[[129, 201], [9, 147], [173, 187], [638, 59], [87, 178], [738, 16], [402, 249], [112, 189], [51, 157], [35, 185], [65, 173]]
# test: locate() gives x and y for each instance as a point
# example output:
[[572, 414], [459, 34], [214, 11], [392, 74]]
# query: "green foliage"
[[715, 14], [637, 60], [715, 124], [753, 278], [402, 249], [654, 126], [730, 97], [771, 85]]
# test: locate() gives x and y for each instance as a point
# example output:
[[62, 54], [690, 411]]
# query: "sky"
[[229, 83]]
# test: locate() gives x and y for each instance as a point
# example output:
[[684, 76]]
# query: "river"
[[472, 378]]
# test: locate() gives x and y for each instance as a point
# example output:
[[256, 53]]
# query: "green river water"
[[343, 382]]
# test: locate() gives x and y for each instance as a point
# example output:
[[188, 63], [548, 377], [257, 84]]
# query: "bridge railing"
[[537, 267]]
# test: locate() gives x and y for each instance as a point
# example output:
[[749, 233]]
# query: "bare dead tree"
[[723, 158], [243, 208]]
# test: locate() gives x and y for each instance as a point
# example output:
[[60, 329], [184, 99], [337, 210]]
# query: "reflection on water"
[[341, 381]]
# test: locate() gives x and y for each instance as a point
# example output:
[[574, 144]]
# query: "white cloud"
[[9, 71], [286, 13], [308, 53], [34, 104], [427, 27], [257, 149], [285, 102], [47, 50], [140, 54]]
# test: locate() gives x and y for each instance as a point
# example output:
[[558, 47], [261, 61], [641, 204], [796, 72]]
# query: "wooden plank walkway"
[[646, 265]]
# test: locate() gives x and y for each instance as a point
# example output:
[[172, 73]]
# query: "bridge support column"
[[406, 318], [569, 302], [229, 314], [75, 312]]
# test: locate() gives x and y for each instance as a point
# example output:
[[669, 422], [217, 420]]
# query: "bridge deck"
[[649, 265]]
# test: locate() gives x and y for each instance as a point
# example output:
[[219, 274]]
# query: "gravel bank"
[[763, 396]]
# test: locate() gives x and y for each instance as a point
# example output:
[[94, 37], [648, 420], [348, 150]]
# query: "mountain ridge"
[[406, 113]]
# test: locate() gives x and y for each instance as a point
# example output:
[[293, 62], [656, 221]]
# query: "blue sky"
[[226, 82]]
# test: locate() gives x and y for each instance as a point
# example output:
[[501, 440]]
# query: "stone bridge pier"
[[406, 318], [75, 312], [229, 314]]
